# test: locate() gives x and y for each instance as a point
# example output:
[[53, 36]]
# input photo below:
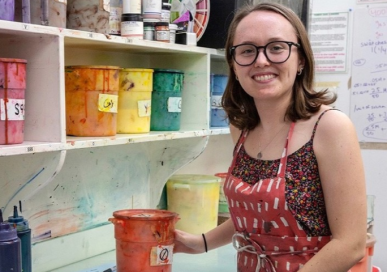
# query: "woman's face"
[[263, 79]]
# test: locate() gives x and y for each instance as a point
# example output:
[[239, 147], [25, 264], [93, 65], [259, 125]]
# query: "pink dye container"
[[12, 91], [7, 10]]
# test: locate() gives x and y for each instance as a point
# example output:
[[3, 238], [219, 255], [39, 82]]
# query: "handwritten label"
[[12, 109], [369, 74], [161, 255], [107, 103], [144, 108], [174, 104], [216, 102]]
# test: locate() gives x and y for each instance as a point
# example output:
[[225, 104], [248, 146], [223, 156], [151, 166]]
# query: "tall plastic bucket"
[[12, 93], [195, 198], [134, 100], [91, 100], [89, 15], [166, 99], [218, 86], [7, 10], [48, 12], [144, 240]]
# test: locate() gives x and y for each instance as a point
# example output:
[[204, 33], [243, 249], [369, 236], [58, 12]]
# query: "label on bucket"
[[144, 108], [174, 104], [107, 102], [161, 255], [12, 109]]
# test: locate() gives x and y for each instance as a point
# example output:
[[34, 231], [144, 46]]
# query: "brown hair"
[[240, 107]]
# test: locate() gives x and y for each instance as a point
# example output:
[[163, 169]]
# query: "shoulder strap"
[[282, 166], [318, 120]]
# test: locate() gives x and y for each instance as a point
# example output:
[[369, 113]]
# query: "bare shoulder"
[[235, 133]]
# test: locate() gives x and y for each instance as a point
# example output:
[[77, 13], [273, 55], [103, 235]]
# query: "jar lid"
[[162, 24], [166, 6], [131, 17], [149, 24], [173, 26]]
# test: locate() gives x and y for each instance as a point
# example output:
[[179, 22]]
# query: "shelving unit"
[[69, 186]]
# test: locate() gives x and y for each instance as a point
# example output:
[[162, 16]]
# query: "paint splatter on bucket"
[[134, 101], [144, 239], [166, 99], [48, 12], [12, 93], [91, 100]]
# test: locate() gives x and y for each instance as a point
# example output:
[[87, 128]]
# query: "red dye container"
[[144, 240], [12, 91]]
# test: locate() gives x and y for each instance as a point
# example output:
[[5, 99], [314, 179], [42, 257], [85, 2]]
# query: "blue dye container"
[[218, 115]]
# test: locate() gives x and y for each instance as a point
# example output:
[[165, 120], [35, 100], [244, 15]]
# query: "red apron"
[[268, 238]]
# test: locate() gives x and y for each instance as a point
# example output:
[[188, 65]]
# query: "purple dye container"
[[7, 10]]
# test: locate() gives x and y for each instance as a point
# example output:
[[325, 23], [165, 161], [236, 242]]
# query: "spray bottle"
[[10, 248], [24, 233]]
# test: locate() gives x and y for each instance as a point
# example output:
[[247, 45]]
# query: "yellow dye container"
[[91, 100], [195, 198], [134, 100]]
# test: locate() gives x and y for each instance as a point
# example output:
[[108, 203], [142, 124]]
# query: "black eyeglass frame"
[[232, 51]]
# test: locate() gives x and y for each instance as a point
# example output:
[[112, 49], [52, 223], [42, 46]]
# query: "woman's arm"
[[194, 244], [342, 177]]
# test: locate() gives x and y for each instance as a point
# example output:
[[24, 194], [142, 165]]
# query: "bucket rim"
[[161, 70], [130, 214], [136, 70], [13, 60], [93, 67], [193, 178]]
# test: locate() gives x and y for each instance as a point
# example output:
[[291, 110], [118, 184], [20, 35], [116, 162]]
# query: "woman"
[[296, 186]]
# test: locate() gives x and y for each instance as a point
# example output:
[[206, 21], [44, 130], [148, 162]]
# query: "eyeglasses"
[[275, 52]]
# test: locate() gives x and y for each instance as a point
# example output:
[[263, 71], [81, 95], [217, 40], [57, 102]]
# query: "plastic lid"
[[93, 67], [19, 221], [172, 26], [13, 60], [197, 179], [144, 214], [7, 232], [136, 70], [131, 17], [160, 70]]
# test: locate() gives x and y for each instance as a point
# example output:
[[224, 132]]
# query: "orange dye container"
[[12, 92], [91, 100], [144, 240]]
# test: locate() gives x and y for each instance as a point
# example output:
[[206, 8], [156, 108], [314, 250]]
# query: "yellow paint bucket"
[[134, 100], [195, 198]]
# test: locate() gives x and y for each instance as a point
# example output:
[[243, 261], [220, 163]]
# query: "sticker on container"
[[161, 255], [216, 102], [107, 103], [144, 108], [12, 109], [174, 104]]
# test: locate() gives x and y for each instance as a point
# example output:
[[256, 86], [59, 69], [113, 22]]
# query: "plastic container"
[[48, 12], [89, 15], [10, 248], [151, 9], [162, 33], [144, 240], [134, 101], [24, 234], [223, 206], [166, 99], [195, 198], [91, 100], [115, 17], [218, 115], [364, 265], [7, 10], [12, 103], [149, 31], [132, 26], [172, 33], [131, 7], [165, 15]]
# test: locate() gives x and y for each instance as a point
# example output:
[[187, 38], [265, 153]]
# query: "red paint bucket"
[[144, 240], [12, 91]]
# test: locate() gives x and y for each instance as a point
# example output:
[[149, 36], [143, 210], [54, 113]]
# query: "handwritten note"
[[369, 74]]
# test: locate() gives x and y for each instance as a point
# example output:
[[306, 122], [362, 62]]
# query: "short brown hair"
[[240, 107]]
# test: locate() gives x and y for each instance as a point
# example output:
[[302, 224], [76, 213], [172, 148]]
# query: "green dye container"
[[166, 99]]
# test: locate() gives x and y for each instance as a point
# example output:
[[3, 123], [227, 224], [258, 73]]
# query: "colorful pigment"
[[91, 100], [166, 100], [144, 240], [134, 101], [12, 106]]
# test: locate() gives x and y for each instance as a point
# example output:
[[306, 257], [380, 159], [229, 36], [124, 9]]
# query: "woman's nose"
[[261, 59]]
